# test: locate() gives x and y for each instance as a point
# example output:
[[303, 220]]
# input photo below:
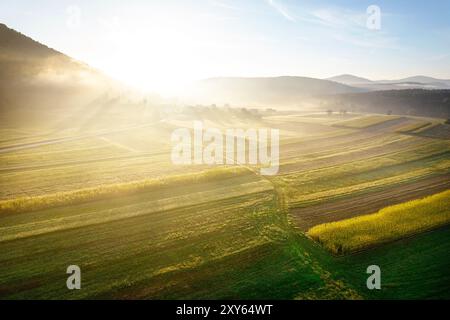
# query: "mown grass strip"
[[413, 127], [388, 224], [366, 121], [27, 204]]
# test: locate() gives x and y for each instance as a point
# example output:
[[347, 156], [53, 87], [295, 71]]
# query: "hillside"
[[37, 81]]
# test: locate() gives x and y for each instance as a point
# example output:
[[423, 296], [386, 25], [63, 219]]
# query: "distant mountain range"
[[349, 79], [417, 95], [416, 82]]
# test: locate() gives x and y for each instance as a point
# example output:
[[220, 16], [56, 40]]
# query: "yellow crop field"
[[388, 224]]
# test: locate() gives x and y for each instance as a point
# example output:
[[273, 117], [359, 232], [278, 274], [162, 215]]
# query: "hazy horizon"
[[164, 46]]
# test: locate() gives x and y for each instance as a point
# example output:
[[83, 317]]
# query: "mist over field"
[[357, 138]]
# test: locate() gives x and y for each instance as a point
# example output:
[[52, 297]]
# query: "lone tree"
[[330, 112]]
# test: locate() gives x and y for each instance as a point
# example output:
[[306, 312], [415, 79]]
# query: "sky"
[[163, 45]]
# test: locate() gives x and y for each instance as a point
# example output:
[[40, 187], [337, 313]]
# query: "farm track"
[[335, 289], [367, 203]]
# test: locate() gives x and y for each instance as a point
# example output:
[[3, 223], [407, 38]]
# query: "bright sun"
[[162, 57]]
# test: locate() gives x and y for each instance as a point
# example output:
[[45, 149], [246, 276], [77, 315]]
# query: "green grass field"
[[140, 227]]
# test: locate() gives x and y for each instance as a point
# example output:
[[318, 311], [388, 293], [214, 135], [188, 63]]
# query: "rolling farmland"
[[140, 227]]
